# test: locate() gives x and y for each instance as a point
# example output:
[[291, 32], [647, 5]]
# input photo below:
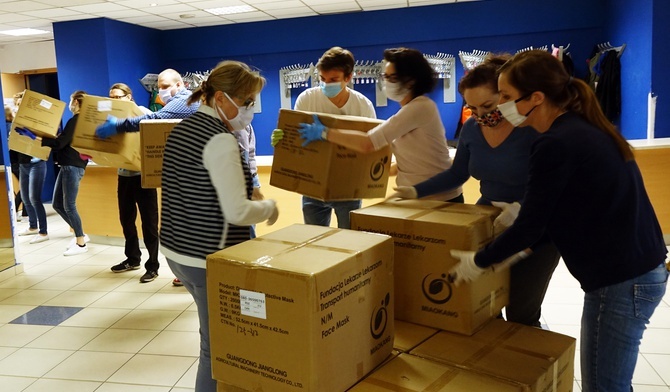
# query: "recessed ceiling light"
[[22, 32], [153, 5], [237, 9]]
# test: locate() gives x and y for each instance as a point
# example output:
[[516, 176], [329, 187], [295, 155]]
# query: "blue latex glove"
[[25, 132], [108, 128], [312, 132]]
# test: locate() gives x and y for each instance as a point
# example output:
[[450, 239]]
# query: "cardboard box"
[[28, 146], [410, 335], [153, 135], [303, 308], [424, 232], [537, 359], [408, 373], [39, 113], [324, 170], [121, 150]]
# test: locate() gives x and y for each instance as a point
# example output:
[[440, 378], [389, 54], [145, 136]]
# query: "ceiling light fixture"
[[237, 9], [23, 32]]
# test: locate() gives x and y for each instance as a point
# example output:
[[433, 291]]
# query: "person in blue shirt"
[[496, 153], [585, 191]]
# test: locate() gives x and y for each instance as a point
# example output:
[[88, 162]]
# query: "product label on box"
[[45, 104], [104, 106], [407, 240], [259, 368], [252, 304]]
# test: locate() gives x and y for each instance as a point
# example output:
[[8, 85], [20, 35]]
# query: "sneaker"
[[29, 231], [125, 266], [39, 238], [74, 241], [76, 250], [148, 276], [177, 282]]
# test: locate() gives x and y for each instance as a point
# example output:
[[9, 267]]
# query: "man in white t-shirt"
[[332, 96]]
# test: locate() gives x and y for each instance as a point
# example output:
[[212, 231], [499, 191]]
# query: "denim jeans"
[[31, 182], [195, 282], [317, 212], [613, 321], [65, 196]]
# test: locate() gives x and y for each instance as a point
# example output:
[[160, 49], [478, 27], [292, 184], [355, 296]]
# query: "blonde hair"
[[232, 77], [123, 87]]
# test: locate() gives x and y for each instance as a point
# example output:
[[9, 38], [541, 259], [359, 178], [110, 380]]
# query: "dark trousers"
[[133, 197]]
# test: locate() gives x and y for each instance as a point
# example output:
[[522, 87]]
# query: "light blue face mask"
[[330, 90]]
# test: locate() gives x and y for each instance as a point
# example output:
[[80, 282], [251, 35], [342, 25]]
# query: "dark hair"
[[337, 58], [485, 74], [537, 70], [412, 70], [78, 96], [232, 77]]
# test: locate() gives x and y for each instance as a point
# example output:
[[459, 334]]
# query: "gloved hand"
[[404, 192], [312, 132], [276, 137], [25, 132], [466, 270], [275, 214], [108, 128], [508, 215]]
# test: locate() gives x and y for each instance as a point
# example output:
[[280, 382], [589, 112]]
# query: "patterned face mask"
[[490, 119]]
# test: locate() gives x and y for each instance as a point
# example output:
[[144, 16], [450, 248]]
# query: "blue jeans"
[[317, 212], [65, 197], [613, 321], [195, 281], [31, 182]]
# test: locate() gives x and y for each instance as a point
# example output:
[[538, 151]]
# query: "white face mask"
[[395, 91], [73, 107], [165, 94], [243, 118], [511, 113]]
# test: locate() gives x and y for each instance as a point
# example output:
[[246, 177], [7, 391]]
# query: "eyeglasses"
[[390, 77], [118, 96], [248, 104]]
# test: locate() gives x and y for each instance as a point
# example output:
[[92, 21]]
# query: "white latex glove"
[[466, 270], [508, 215], [275, 214], [404, 192]]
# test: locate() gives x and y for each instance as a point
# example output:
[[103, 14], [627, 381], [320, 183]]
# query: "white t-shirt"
[[417, 139], [314, 100]]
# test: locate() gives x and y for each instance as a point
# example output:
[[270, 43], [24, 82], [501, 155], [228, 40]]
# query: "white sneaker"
[[74, 241], [29, 231], [39, 238], [76, 250]]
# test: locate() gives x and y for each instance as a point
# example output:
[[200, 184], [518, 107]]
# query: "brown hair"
[[9, 116], [537, 70], [337, 58], [412, 70], [78, 96], [123, 87], [485, 74], [232, 77]]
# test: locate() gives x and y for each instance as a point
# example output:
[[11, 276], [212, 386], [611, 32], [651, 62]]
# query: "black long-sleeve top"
[[66, 155]]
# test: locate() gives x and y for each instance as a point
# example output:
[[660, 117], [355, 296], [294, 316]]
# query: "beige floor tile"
[[92, 317], [98, 284], [660, 318], [32, 362], [65, 338], [660, 363], [59, 283], [115, 387], [147, 319], [174, 343], [121, 340], [86, 271], [188, 379], [6, 293], [75, 298], [163, 301], [656, 341], [89, 365], [153, 370], [121, 300], [645, 373], [18, 335], [32, 297], [562, 314], [22, 281], [49, 385], [15, 384], [650, 388], [6, 351], [151, 287], [187, 321]]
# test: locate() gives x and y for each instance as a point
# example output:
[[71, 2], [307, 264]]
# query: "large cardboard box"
[[153, 135], [39, 113], [408, 373], [410, 335], [424, 232], [539, 360], [28, 146], [324, 170], [305, 308], [121, 150]]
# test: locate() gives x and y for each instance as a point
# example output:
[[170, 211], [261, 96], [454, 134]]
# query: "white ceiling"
[[173, 14]]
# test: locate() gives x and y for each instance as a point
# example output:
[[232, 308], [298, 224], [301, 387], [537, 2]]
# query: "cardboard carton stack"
[[40, 114], [326, 171], [153, 136], [303, 308]]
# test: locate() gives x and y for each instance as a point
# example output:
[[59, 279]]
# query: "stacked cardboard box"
[[41, 115], [153, 136], [325, 170], [121, 150], [424, 232], [304, 307]]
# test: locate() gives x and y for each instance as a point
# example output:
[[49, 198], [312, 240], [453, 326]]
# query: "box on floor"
[[424, 232], [304, 307]]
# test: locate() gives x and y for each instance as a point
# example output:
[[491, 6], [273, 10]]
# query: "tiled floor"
[[124, 336]]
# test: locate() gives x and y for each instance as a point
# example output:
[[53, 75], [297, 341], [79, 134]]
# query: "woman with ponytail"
[[586, 192]]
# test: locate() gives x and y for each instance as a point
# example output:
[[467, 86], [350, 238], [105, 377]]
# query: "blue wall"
[[660, 58]]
